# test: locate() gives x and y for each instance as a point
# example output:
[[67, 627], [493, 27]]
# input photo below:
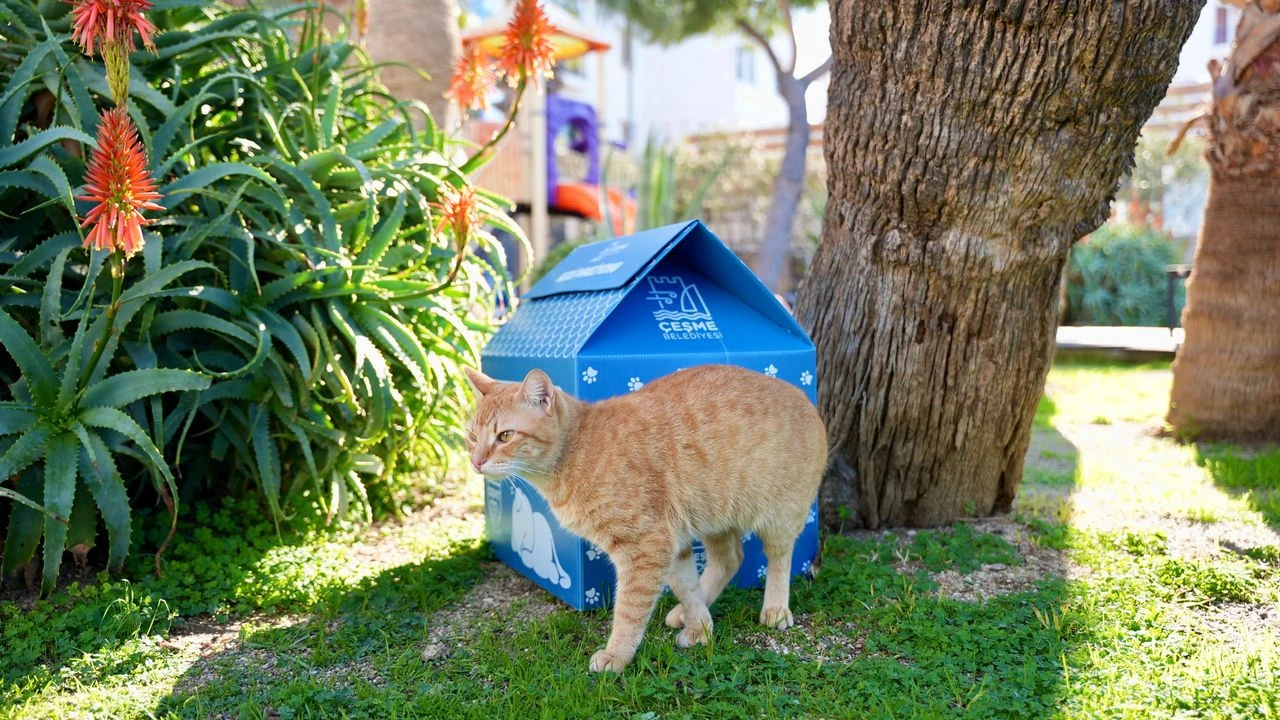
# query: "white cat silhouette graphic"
[[531, 539]]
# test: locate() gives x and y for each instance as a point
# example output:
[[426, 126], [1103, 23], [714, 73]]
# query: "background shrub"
[[300, 272], [1116, 276]]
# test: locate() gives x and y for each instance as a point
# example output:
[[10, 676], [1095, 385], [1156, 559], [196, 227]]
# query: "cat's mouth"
[[496, 471], [504, 470]]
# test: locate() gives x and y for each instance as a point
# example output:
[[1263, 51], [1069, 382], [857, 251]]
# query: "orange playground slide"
[[584, 201]]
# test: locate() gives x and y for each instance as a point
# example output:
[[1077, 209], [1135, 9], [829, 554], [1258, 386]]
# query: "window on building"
[[626, 46], [1221, 28], [746, 65]]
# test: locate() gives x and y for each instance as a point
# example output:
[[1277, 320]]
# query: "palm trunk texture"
[[968, 146], [1226, 378]]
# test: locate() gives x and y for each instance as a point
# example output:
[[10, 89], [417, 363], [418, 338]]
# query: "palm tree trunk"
[[1226, 377], [968, 145]]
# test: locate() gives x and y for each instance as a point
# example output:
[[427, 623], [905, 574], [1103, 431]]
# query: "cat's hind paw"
[[605, 660], [675, 618], [778, 618]]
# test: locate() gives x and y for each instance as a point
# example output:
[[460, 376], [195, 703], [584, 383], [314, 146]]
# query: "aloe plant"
[[297, 282]]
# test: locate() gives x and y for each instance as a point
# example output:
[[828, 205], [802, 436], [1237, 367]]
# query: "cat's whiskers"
[[516, 468]]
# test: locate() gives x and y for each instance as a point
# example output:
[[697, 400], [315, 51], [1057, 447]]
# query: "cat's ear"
[[539, 391], [482, 383]]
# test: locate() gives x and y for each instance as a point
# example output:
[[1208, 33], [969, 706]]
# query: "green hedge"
[[1116, 276]]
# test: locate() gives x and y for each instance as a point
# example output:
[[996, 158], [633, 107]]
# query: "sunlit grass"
[[1122, 623]]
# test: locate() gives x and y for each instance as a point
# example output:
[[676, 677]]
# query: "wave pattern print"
[[673, 315]]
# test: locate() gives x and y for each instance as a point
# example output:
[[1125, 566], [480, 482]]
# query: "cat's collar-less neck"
[[556, 486]]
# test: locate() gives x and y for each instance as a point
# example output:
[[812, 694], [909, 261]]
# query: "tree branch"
[[816, 73], [763, 42], [791, 33]]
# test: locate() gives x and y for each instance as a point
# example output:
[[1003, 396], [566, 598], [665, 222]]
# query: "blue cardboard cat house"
[[612, 316]]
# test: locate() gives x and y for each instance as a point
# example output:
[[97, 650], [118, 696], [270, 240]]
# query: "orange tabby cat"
[[710, 452]]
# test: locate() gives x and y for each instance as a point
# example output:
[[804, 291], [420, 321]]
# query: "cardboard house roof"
[[567, 311]]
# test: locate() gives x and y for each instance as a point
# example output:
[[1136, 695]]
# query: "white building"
[[1211, 39], [708, 83]]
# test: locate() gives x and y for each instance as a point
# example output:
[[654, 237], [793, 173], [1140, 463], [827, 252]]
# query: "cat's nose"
[[476, 463]]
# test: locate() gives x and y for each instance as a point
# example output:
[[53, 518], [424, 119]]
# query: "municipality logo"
[[682, 314]]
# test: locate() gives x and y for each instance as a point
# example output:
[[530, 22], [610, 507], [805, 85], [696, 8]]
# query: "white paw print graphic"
[[813, 517], [634, 384], [771, 371], [806, 378], [806, 568], [589, 375], [760, 571], [748, 536], [593, 553], [592, 596]]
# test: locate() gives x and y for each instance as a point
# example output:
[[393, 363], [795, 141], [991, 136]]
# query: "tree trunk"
[[968, 145], [774, 255], [1226, 378]]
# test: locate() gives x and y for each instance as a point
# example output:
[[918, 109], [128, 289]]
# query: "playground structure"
[[573, 168], [528, 167]]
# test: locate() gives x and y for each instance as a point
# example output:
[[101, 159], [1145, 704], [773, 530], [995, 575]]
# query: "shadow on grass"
[[226, 563], [354, 638], [883, 632], [1253, 474], [910, 653], [213, 553]]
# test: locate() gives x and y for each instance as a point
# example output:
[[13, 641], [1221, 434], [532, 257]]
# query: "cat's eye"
[[471, 437], [505, 435]]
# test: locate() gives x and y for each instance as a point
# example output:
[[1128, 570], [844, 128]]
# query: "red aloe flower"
[[473, 78], [458, 212], [111, 22], [118, 180], [529, 52]]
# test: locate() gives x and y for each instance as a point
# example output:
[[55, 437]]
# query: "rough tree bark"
[[968, 145], [1226, 378]]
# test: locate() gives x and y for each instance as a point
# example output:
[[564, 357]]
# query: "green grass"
[[1122, 625], [1254, 475]]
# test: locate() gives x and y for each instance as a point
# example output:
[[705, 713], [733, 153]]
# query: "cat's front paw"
[[675, 618], [778, 618], [697, 629], [605, 660], [694, 635]]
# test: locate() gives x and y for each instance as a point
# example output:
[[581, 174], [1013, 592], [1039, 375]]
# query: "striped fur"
[[710, 452]]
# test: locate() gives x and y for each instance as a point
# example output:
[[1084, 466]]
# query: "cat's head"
[[513, 430]]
